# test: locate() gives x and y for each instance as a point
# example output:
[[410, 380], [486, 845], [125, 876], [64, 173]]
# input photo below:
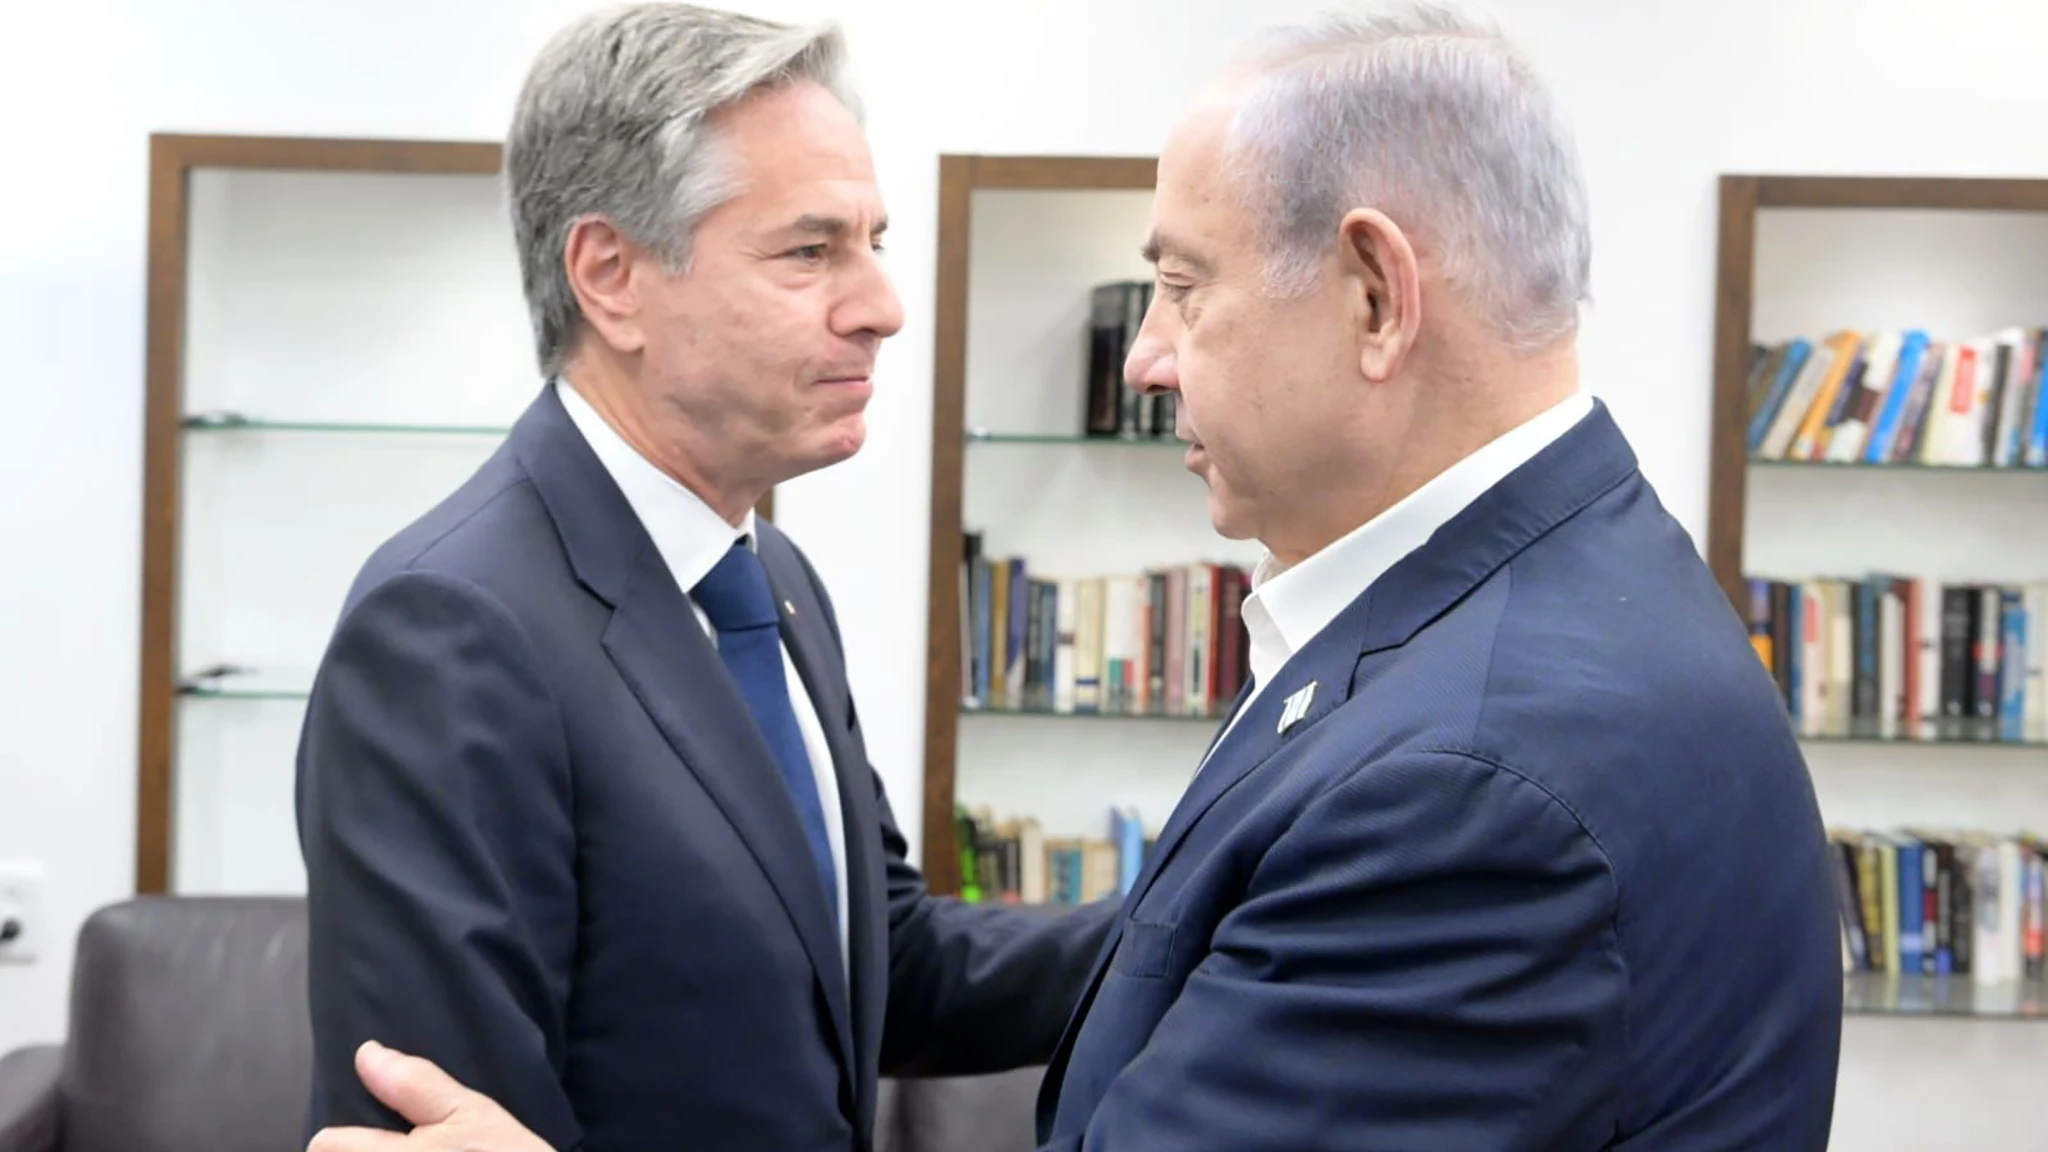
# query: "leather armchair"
[[979, 1113], [189, 1034], [28, 1098]]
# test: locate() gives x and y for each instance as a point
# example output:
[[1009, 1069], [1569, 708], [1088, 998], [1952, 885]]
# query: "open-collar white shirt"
[[1288, 606]]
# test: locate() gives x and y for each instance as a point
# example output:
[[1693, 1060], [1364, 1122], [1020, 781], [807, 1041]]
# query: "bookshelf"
[[1872, 512], [336, 338], [1023, 243]]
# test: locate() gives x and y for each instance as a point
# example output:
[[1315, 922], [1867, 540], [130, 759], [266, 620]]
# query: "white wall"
[[298, 313], [1665, 95]]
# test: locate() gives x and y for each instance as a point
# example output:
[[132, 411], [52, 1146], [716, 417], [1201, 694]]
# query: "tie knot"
[[735, 594]]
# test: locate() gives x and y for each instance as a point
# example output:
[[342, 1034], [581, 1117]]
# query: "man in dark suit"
[[1462, 871], [584, 805], [1508, 845]]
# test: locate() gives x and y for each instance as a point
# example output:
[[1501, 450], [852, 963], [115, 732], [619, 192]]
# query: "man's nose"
[[1150, 367], [873, 306]]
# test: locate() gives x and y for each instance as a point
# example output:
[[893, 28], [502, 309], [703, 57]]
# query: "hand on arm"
[[447, 1116]]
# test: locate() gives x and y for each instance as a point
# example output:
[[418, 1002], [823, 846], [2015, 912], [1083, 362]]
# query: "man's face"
[[1266, 386], [759, 357]]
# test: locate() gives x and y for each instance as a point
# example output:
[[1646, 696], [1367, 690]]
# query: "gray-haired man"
[[585, 810]]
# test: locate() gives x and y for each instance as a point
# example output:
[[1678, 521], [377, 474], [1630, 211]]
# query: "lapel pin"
[[789, 608], [1296, 707]]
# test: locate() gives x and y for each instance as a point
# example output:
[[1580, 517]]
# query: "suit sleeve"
[[1426, 959], [434, 818], [978, 988], [973, 988]]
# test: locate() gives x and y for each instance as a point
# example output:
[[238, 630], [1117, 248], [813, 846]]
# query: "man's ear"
[[1379, 266], [599, 260]]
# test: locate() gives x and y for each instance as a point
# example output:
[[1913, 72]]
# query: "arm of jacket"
[[972, 988], [434, 817], [978, 988], [1426, 959]]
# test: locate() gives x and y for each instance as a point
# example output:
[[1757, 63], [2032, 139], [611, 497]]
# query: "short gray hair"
[[1431, 116], [611, 122]]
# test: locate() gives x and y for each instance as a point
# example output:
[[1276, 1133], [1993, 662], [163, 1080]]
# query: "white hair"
[[611, 122], [1429, 115]]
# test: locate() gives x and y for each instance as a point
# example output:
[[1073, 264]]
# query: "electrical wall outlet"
[[21, 910]]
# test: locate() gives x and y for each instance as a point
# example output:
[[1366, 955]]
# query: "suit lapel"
[[672, 668], [1306, 689], [1321, 676], [1229, 721], [821, 667]]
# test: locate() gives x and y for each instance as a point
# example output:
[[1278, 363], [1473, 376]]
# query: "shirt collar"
[[1287, 607], [691, 537]]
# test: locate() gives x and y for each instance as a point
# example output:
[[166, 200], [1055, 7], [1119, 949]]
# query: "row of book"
[[1169, 641], [1962, 902], [1111, 409], [1894, 397], [1939, 902], [1013, 861], [1906, 658], [1912, 902]]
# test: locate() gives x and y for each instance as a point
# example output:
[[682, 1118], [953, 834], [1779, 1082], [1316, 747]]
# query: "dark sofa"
[[188, 1034]]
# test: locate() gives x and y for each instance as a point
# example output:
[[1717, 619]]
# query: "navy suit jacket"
[[1540, 868], [547, 848]]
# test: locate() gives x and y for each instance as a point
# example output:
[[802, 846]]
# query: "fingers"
[[414, 1088], [356, 1140]]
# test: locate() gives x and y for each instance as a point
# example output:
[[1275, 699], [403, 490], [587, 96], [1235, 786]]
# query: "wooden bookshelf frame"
[[960, 176], [172, 160], [1742, 196]]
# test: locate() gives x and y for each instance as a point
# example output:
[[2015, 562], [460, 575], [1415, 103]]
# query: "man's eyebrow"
[[1159, 247], [830, 227]]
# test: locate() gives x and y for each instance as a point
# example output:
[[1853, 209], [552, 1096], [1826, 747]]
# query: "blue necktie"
[[737, 598]]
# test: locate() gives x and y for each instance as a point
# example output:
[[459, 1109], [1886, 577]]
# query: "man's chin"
[[1230, 520], [836, 444]]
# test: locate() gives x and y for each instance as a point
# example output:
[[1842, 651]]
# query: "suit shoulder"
[[491, 529], [1631, 692], [1606, 666], [1614, 622], [1656, 656]]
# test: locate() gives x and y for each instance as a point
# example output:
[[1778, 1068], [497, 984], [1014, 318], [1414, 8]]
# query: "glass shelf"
[[983, 436], [970, 708], [1892, 466], [1883, 994], [236, 682], [1912, 742], [235, 422]]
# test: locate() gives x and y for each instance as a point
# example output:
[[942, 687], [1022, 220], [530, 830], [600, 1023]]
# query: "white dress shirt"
[[1287, 607], [692, 539]]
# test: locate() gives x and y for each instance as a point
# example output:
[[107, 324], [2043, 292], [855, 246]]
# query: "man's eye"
[[810, 252], [1173, 291]]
